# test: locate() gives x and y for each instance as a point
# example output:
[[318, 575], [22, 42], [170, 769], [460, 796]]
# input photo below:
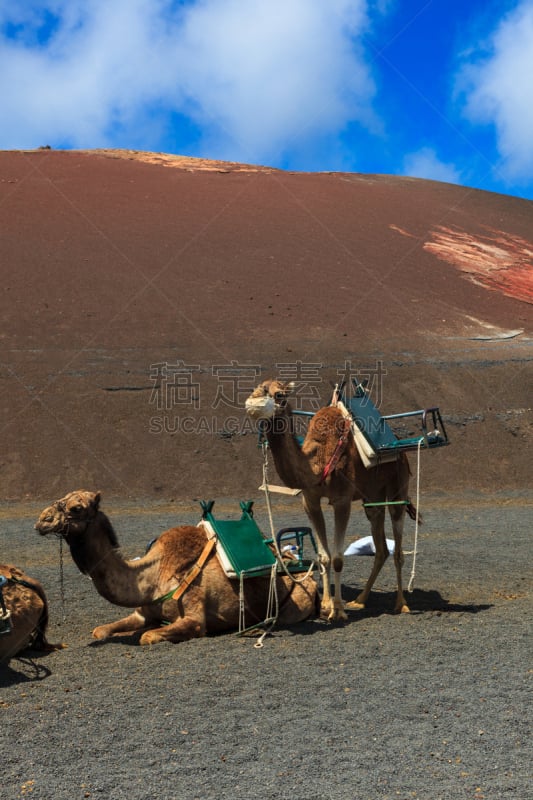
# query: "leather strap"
[[195, 570]]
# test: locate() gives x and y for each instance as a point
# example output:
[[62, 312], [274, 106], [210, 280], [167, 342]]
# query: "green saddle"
[[242, 549]]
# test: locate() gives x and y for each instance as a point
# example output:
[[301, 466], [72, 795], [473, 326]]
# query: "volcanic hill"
[[144, 295]]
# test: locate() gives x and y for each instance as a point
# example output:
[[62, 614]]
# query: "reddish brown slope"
[[119, 266]]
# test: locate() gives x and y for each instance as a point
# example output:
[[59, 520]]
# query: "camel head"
[[269, 399], [70, 515]]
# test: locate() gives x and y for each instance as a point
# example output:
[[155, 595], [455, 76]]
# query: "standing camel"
[[313, 467], [179, 587], [24, 613]]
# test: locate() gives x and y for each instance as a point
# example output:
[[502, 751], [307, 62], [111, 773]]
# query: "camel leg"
[[376, 517], [187, 619], [131, 623], [178, 631], [342, 512], [313, 510], [181, 630], [397, 514]]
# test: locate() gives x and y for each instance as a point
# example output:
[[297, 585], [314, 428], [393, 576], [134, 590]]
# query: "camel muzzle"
[[260, 407]]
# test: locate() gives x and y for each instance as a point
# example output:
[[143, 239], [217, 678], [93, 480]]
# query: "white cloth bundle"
[[365, 547]]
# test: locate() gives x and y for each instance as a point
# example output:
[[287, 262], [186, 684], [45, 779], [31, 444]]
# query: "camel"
[[24, 612], [303, 467], [210, 603]]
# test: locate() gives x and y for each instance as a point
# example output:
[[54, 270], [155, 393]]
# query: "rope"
[[242, 622], [267, 491], [272, 610], [271, 521], [272, 607], [415, 551], [387, 503], [273, 599]]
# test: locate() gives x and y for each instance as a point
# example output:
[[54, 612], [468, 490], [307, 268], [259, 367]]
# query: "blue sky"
[[440, 89]]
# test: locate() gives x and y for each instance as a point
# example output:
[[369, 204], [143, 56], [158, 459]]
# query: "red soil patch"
[[497, 260]]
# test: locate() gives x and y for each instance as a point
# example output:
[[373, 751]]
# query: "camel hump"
[[182, 545], [328, 422]]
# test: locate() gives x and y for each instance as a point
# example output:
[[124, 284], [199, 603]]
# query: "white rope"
[[267, 492], [313, 564], [415, 551], [272, 606], [272, 610], [242, 621]]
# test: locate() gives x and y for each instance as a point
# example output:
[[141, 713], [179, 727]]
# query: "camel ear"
[[96, 501]]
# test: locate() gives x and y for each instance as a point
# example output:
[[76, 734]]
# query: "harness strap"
[[332, 463], [21, 582], [195, 570], [4, 613], [191, 575]]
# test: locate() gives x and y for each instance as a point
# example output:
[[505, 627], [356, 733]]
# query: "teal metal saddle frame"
[[376, 429], [380, 436]]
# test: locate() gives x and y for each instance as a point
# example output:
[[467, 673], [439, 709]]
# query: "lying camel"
[[178, 587], [23, 613]]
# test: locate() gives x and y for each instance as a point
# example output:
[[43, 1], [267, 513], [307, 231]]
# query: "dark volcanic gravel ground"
[[432, 706]]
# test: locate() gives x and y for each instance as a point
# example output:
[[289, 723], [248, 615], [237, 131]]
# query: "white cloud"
[[256, 75], [498, 90], [425, 163], [270, 72]]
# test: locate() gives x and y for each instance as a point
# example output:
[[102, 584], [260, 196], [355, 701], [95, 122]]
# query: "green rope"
[[388, 503], [164, 597]]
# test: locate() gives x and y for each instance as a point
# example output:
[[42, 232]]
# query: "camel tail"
[[413, 513]]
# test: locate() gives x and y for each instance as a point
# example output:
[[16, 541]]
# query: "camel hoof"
[[402, 609], [150, 637], [100, 633], [354, 605], [337, 615]]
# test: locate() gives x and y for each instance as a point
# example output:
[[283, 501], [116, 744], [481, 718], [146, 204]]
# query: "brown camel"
[[24, 614], [302, 467], [209, 604]]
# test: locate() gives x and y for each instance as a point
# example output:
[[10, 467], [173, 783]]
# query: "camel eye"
[[75, 510]]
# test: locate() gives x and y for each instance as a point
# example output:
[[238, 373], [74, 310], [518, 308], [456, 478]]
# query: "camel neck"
[[119, 581], [291, 464]]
